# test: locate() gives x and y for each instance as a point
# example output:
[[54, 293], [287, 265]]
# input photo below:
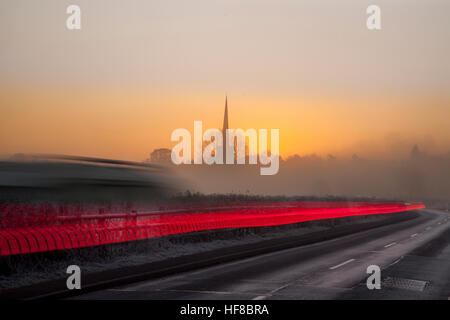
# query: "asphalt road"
[[414, 257]]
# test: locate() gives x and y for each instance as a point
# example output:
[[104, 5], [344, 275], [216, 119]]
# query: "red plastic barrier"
[[23, 232]]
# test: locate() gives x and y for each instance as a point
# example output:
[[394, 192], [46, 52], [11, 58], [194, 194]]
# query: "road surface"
[[414, 257]]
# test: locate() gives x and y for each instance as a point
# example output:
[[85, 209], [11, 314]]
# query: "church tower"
[[225, 118], [224, 129]]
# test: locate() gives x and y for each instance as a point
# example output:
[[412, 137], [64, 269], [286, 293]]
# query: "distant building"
[[162, 155], [225, 119], [225, 127], [416, 153]]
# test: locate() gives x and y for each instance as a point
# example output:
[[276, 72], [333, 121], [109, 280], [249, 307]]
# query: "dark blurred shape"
[[416, 153], [161, 156], [84, 179]]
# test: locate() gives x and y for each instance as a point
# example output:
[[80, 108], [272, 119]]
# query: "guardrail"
[[37, 231]]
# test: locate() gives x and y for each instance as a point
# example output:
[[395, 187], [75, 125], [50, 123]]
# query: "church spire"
[[225, 116]]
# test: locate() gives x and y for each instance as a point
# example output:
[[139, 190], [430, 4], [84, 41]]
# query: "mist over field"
[[419, 177]]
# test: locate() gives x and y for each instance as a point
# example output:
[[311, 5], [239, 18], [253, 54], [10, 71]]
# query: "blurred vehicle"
[[83, 179]]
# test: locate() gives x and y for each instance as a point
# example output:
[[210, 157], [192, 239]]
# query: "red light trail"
[[34, 230]]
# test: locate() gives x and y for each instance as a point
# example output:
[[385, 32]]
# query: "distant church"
[[224, 129], [163, 155], [225, 119], [224, 135]]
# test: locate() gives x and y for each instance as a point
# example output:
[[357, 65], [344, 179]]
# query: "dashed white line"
[[270, 293], [428, 228], [195, 291], [390, 244], [341, 264], [396, 261], [414, 235]]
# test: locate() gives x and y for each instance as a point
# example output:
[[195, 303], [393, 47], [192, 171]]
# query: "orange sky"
[[135, 72], [130, 124]]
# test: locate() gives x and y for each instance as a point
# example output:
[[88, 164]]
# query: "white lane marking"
[[279, 288], [428, 228], [148, 283], [121, 290], [396, 261], [439, 222], [341, 264], [195, 291], [390, 244], [414, 235], [271, 292]]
